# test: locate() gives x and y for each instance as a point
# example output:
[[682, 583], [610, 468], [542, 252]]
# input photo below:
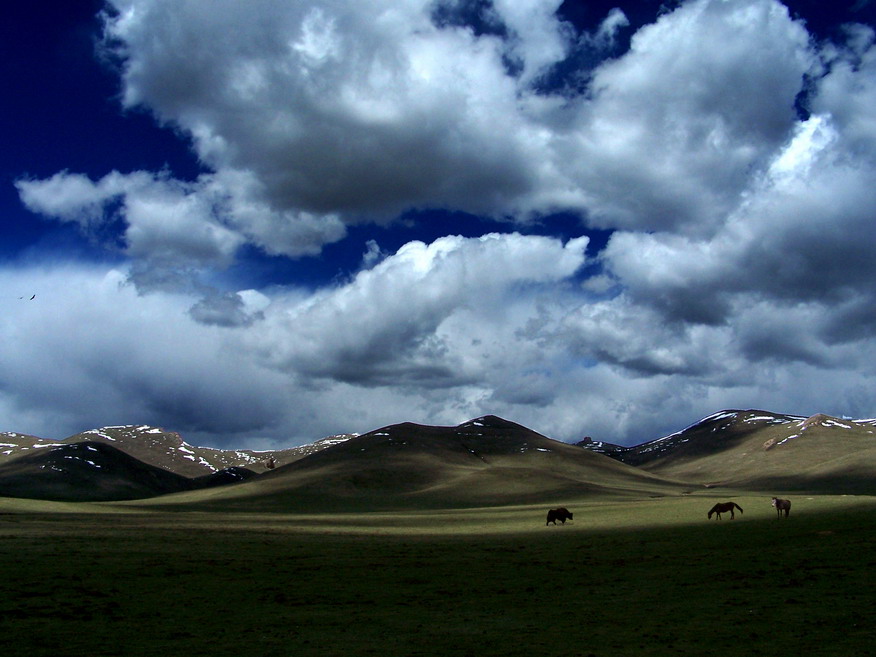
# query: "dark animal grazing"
[[561, 514], [723, 507], [782, 505]]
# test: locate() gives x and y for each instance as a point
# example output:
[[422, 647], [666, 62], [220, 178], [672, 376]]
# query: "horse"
[[562, 514], [782, 505], [723, 507]]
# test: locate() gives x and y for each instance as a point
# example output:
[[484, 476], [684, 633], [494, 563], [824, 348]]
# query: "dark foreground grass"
[[181, 584]]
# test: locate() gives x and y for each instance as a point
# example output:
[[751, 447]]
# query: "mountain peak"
[[491, 422]]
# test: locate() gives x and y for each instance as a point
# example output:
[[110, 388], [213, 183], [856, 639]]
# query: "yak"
[[562, 514]]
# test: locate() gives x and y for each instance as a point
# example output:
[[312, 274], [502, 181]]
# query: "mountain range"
[[483, 462], [754, 449], [166, 449]]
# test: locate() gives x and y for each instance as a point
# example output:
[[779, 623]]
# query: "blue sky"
[[260, 224]]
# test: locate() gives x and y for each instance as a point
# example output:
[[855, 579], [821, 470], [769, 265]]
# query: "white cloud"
[[539, 39], [607, 33], [677, 125], [417, 317], [848, 90], [89, 351], [72, 197], [312, 115], [739, 273], [165, 220], [333, 108]]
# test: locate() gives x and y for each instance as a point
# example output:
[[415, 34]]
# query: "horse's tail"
[[738, 507]]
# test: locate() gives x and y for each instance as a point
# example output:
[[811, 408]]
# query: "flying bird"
[[31, 299]]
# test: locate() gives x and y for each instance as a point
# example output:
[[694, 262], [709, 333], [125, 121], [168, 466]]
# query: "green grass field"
[[639, 577]]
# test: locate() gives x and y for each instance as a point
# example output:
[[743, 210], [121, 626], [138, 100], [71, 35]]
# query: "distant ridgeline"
[[486, 461]]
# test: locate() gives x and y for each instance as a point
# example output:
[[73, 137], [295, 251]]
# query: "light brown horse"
[[782, 505], [723, 507]]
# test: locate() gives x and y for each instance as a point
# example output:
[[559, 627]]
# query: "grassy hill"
[[484, 462], [759, 450]]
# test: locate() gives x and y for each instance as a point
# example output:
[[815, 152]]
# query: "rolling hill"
[[759, 450], [484, 462]]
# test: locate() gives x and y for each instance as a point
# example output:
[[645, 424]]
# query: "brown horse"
[[562, 514], [723, 507], [782, 505]]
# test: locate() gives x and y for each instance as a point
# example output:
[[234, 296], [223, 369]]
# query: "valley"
[[639, 576], [421, 540]]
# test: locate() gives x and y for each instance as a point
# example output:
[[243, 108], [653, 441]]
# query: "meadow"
[[626, 577]]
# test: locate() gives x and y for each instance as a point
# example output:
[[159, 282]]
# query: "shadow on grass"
[[218, 584]]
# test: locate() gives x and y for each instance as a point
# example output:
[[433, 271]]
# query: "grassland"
[[637, 577]]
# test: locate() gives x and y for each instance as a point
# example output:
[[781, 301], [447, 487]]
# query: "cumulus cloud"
[[231, 309], [168, 224], [89, 351], [730, 153], [801, 235], [311, 116], [784, 283], [430, 330], [332, 108], [420, 317], [172, 228], [677, 125]]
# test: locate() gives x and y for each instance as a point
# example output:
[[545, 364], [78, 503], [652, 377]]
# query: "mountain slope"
[[166, 449], [762, 450], [13, 445], [92, 471], [488, 461], [86, 471]]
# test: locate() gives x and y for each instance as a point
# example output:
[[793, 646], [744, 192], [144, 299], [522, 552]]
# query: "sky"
[[259, 224]]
